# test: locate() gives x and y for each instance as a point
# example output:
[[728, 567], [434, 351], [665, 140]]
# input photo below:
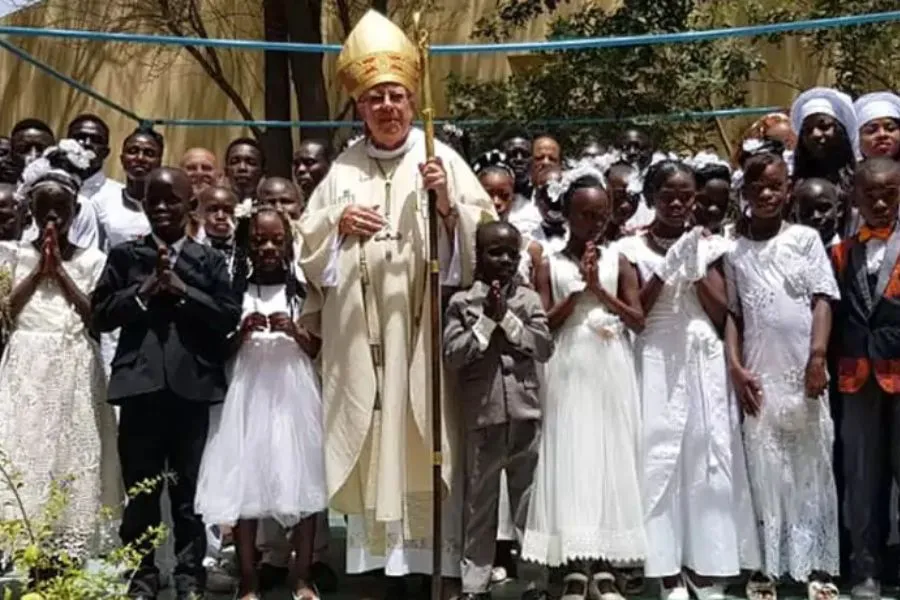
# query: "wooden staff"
[[434, 287]]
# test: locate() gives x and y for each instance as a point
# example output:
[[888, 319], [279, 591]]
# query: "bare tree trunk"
[[277, 140], [304, 20]]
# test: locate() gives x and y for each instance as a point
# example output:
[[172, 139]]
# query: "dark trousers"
[[164, 434], [512, 446], [870, 432]]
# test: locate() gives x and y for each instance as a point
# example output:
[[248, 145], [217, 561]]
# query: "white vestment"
[[371, 302]]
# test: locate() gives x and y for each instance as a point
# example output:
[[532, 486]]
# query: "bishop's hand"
[[361, 221], [434, 177]]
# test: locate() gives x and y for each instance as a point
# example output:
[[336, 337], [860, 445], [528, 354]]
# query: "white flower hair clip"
[[704, 159], [77, 155], [243, 209], [752, 145], [586, 167]]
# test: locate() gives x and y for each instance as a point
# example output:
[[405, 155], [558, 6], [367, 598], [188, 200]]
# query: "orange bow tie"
[[866, 233]]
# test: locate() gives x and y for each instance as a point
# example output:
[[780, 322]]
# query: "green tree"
[[861, 58], [616, 83]]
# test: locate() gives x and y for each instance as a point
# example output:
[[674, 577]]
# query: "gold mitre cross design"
[[377, 51]]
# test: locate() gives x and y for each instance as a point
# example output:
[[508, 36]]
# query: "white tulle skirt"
[[266, 458], [586, 503]]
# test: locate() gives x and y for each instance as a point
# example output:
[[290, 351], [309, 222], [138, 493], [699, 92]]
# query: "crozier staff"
[[365, 252]]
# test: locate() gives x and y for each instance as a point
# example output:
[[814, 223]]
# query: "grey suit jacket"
[[496, 363]]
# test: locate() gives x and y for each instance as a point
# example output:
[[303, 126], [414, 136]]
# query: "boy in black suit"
[[172, 299]]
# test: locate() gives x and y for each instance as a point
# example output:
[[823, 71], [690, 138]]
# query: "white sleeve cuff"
[[483, 330], [332, 269], [140, 303], [451, 266], [512, 326]]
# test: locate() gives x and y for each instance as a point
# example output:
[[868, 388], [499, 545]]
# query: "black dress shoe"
[[323, 577], [271, 577], [396, 589]]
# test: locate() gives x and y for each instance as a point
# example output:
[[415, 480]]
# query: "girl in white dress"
[[780, 283], [266, 459], [699, 517], [55, 426], [586, 504]]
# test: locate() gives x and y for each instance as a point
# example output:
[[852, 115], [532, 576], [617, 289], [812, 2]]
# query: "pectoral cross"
[[387, 233]]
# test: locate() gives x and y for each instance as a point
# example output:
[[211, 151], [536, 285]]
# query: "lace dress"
[[695, 489], [586, 502], [55, 425], [771, 284]]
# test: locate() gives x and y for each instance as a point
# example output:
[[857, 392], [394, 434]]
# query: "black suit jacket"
[[171, 344]]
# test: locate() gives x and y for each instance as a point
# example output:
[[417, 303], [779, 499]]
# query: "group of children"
[[720, 398], [210, 374], [664, 363]]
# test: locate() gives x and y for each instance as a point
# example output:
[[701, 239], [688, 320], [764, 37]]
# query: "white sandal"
[[715, 591], [604, 577], [579, 580], [820, 590]]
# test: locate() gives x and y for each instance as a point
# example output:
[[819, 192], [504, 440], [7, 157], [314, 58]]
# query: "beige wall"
[[169, 83]]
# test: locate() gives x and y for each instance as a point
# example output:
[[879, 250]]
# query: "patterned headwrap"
[[60, 165]]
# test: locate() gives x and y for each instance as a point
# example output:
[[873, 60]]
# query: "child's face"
[[499, 254], [167, 203], [283, 196], [549, 213], [589, 213], [712, 204], [500, 188], [768, 195], [268, 242], [11, 217], [877, 196], [674, 200], [54, 204], [817, 207], [624, 206], [217, 212]]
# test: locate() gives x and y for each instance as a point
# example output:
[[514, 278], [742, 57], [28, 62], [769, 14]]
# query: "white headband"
[[817, 106], [878, 109]]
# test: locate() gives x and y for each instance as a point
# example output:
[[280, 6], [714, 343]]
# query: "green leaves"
[[616, 82]]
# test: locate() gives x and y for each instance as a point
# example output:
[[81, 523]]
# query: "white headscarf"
[[825, 101], [878, 105]]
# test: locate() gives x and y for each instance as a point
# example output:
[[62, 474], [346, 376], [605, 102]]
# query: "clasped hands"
[[364, 222], [51, 261], [164, 280], [280, 322]]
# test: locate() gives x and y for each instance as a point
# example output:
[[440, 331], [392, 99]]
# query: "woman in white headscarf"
[[878, 115], [826, 126]]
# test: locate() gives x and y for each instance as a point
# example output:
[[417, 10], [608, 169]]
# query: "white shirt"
[[524, 215], [875, 250], [174, 249], [120, 218]]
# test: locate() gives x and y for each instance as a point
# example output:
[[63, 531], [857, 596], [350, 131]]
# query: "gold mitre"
[[377, 51]]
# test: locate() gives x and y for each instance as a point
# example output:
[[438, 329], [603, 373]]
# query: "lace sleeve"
[[820, 273]]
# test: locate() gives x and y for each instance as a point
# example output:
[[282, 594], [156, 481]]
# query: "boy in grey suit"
[[495, 335]]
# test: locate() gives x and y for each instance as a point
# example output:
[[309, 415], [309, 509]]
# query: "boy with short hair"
[[172, 299], [867, 342], [495, 334]]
